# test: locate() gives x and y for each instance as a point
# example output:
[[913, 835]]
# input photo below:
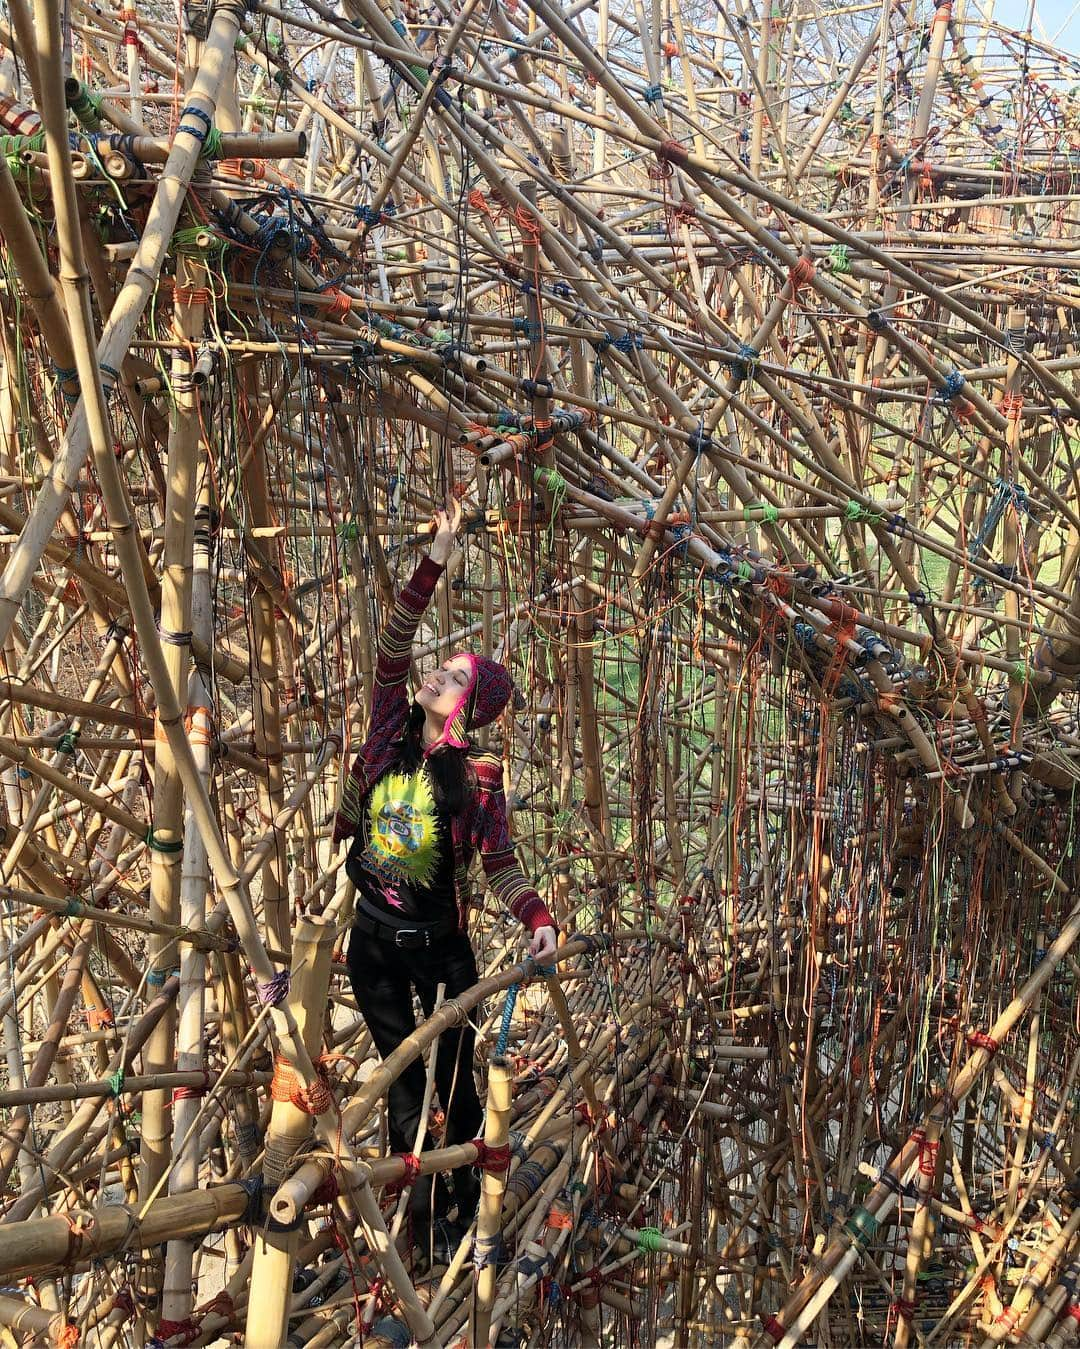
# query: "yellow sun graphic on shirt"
[[403, 831]]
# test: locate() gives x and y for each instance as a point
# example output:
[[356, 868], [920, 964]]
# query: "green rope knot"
[[350, 531], [73, 908], [855, 510], [550, 478], [861, 1227], [746, 571], [1019, 673], [649, 1239], [839, 261], [211, 147], [86, 105], [67, 742], [116, 1083], [769, 513], [198, 240], [155, 844]]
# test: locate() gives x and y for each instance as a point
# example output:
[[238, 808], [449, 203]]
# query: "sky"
[[1053, 15]]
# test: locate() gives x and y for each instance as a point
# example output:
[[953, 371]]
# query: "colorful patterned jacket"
[[482, 826]]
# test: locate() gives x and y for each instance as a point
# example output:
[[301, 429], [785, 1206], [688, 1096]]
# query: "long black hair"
[[452, 777]]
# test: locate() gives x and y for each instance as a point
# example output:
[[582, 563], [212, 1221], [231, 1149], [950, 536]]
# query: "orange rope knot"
[[1011, 405], [80, 1225], [197, 723], [340, 304], [68, 1337], [528, 223], [192, 295], [670, 49], [801, 275], [100, 1018], [559, 1220], [315, 1099], [652, 529]]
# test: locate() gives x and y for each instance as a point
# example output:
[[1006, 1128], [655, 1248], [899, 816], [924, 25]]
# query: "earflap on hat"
[[491, 692]]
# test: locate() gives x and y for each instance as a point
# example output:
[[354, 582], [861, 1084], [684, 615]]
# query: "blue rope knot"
[[367, 214], [653, 93], [503, 1039], [192, 111], [952, 388], [744, 362], [628, 342], [602, 342]]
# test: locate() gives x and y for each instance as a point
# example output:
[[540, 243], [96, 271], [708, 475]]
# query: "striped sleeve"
[[396, 639], [492, 840], [389, 701]]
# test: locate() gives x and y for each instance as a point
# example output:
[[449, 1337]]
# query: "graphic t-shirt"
[[402, 859]]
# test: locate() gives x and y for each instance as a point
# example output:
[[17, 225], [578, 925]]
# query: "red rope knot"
[[412, 1167], [774, 1328], [340, 304], [560, 1219], [801, 275], [492, 1158], [978, 1039], [1011, 405], [652, 529], [1007, 1317], [902, 1308], [124, 1302], [221, 1304], [1073, 1310], [184, 1331], [192, 1093], [671, 152], [68, 1337], [478, 201], [928, 1155], [328, 1191]]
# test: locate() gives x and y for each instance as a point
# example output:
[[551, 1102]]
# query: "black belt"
[[408, 936]]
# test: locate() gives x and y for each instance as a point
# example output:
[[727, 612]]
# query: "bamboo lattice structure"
[[747, 336]]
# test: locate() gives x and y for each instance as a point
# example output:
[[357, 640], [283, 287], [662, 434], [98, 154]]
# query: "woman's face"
[[441, 692]]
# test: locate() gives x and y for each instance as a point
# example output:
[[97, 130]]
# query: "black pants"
[[383, 977]]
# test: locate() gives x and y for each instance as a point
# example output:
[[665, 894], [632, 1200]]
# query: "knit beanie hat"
[[486, 695]]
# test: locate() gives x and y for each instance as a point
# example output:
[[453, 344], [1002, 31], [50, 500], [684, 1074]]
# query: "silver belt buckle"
[[405, 932]]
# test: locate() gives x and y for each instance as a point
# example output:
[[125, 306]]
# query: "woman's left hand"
[[544, 944]]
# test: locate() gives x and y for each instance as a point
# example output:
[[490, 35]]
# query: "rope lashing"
[[671, 152], [761, 510], [314, 1099], [201, 136], [744, 362], [800, 275], [649, 1240], [978, 1039], [1006, 493], [1011, 406], [155, 844], [653, 93], [952, 388], [68, 742], [275, 990], [862, 1227], [495, 1159], [855, 511], [628, 342], [211, 148], [503, 1040], [839, 260]]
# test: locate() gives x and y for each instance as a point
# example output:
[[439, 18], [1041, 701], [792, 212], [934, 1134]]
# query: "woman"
[[419, 801]]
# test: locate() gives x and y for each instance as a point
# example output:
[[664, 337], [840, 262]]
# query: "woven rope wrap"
[[314, 1099]]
